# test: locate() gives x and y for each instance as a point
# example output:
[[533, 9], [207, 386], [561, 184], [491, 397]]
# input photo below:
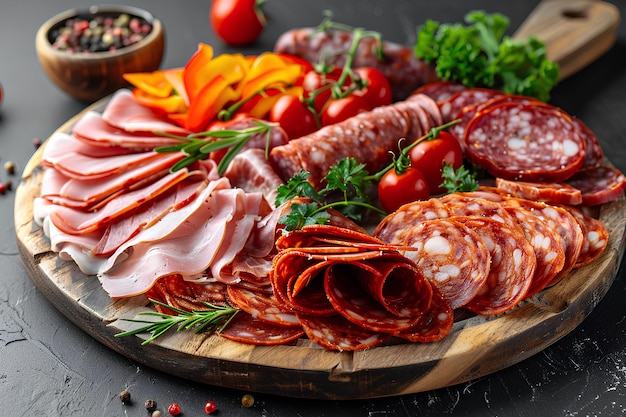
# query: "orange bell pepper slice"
[[210, 100], [202, 68]]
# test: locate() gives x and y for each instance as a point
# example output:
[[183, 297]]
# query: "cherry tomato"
[[428, 157], [237, 22], [378, 91], [319, 84], [395, 189], [341, 109], [294, 116]]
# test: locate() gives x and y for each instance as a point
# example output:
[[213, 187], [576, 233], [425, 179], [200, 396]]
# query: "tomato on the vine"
[[293, 116], [340, 109], [319, 85], [377, 91], [428, 156], [396, 189], [237, 22]]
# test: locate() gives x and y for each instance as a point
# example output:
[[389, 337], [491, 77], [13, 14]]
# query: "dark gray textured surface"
[[49, 367]]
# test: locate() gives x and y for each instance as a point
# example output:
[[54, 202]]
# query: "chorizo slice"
[[512, 266], [547, 244], [452, 256], [244, 328], [552, 193], [596, 237], [384, 296], [395, 226], [335, 332], [262, 306], [560, 220], [434, 325]]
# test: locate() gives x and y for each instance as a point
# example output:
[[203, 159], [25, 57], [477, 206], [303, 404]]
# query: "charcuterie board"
[[476, 346]]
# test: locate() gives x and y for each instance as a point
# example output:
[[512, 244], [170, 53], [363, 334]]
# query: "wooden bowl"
[[91, 76]]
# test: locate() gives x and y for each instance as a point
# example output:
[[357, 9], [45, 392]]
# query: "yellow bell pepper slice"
[[154, 83], [175, 78], [164, 105], [261, 105]]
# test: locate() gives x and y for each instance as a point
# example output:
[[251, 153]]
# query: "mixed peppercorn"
[[99, 34]]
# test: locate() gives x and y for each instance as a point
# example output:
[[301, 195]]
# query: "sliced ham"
[[124, 112], [94, 130], [186, 242], [63, 153]]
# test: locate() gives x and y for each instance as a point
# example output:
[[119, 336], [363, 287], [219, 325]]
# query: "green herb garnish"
[[480, 55], [214, 318], [197, 147], [461, 180]]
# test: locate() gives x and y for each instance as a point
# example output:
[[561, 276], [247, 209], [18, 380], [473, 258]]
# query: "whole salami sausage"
[[528, 142], [403, 70], [368, 137]]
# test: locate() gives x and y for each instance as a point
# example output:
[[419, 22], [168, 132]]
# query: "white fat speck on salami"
[[452, 256], [526, 142]]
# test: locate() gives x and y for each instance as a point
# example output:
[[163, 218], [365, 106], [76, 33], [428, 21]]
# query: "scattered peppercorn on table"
[[49, 365]]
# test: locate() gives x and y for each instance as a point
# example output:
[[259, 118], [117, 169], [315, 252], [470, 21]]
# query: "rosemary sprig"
[[214, 318], [198, 146]]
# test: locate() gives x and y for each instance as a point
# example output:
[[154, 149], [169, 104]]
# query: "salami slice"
[[512, 266], [547, 245], [452, 107], [552, 193], [264, 307], [434, 325], [560, 220], [479, 203], [594, 155], [337, 333], [430, 105], [395, 226], [244, 328], [526, 142], [599, 184], [596, 237], [186, 295], [440, 90], [452, 256]]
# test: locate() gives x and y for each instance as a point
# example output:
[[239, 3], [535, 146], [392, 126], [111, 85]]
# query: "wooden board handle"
[[576, 33]]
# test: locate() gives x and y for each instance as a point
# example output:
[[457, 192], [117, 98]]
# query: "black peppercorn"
[[125, 397], [151, 405]]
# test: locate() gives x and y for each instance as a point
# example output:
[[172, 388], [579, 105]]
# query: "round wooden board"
[[476, 346]]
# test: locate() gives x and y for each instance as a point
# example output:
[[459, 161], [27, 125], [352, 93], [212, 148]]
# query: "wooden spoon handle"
[[575, 33]]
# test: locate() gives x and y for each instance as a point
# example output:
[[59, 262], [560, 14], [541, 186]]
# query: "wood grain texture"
[[575, 32], [476, 346]]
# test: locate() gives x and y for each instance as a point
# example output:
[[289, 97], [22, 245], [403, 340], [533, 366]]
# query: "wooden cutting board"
[[476, 346]]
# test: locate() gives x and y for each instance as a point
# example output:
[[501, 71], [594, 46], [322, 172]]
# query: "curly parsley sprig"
[[198, 146], [480, 55], [214, 318], [349, 180]]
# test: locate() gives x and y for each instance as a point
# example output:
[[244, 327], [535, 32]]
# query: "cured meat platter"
[[476, 345]]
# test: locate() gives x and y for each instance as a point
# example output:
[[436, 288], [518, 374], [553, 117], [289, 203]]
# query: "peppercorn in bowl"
[[86, 52]]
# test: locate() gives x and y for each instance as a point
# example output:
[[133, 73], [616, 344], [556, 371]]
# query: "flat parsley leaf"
[[301, 215], [348, 172], [461, 180], [297, 186]]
